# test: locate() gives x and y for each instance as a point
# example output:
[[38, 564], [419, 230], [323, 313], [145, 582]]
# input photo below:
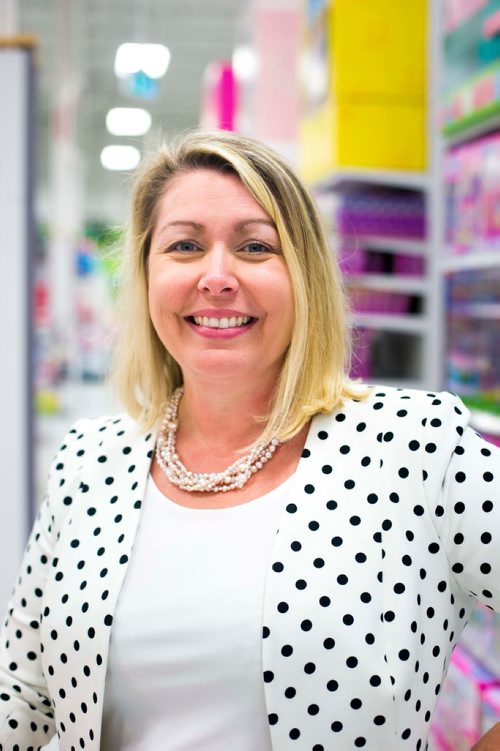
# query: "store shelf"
[[480, 259], [474, 130], [409, 324], [406, 383], [486, 422], [389, 178], [482, 310], [390, 282], [388, 244]]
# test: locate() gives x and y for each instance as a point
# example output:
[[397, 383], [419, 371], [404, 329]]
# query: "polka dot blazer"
[[391, 532]]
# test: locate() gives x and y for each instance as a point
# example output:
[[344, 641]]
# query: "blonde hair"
[[313, 378]]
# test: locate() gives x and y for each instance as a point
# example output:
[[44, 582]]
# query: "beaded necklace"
[[232, 478]]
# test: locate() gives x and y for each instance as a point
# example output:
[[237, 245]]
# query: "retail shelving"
[[476, 310], [391, 178], [403, 323], [390, 244], [419, 330], [390, 282], [481, 257], [470, 270], [474, 131]]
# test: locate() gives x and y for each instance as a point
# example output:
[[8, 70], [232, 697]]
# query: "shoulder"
[[404, 403], [89, 442], [107, 429], [387, 413]]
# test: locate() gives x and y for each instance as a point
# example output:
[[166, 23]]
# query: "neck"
[[223, 416]]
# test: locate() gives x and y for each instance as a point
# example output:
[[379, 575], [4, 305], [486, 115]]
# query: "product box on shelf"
[[473, 333], [379, 51], [356, 258], [472, 180], [368, 135], [458, 12], [379, 301], [363, 86], [382, 212], [473, 358], [473, 102]]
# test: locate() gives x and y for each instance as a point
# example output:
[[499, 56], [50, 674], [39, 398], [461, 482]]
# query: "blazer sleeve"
[[26, 709], [462, 480]]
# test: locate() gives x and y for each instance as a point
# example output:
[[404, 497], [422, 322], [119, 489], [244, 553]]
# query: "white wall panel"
[[15, 306]]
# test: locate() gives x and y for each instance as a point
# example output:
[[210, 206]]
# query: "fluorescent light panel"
[[152, 59], [128, 121], [120, 157]]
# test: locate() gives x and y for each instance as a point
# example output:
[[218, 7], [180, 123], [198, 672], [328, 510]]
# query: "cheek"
[[164, 289]]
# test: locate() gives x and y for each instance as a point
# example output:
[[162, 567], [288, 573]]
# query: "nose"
[[218, 276]]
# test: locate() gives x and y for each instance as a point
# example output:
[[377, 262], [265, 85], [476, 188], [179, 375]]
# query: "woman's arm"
[[26, 709], [490, 741], [26, 715], [462, 477]]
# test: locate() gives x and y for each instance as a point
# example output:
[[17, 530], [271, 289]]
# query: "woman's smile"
[[219, 324]]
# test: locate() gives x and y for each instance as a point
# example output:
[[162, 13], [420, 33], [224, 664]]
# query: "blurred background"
[[389, 110]]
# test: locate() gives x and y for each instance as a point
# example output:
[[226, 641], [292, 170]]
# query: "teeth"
[[221, 323]]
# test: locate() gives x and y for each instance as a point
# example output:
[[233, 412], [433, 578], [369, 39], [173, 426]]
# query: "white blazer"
[[391, 534]]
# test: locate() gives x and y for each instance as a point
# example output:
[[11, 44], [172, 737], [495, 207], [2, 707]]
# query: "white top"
[[185, 664]]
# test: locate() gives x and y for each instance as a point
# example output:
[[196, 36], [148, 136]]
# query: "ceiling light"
[[128, 121], [245, 63], [120, 157], [152, 59], [127, 59]]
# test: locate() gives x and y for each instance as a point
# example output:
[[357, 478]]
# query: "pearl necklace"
[[232, 478]]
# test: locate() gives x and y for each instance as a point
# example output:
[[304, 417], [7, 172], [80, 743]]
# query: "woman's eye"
[[184, 246], [255, 248]]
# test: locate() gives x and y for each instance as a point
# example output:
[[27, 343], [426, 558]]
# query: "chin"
[[223, 365]]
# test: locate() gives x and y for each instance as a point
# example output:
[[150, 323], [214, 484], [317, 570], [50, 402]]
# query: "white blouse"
[[185, 670]]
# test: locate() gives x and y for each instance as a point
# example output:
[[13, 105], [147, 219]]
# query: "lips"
[[223, 322]]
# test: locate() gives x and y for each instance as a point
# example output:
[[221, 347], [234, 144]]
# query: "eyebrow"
[[197, 226]]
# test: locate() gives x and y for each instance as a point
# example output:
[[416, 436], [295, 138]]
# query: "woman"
[[282, 559]]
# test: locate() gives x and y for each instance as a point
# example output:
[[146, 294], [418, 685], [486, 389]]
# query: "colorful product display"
[[92, 322], [468, 704], [472, 72], [473, 309], [473, 102], [458, 12], [470, 701], [362, 219], [472, 178], [357, 258], [380, 211], [94, 315]]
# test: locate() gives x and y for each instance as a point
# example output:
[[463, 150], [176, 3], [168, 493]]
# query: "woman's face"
[[220, 296]]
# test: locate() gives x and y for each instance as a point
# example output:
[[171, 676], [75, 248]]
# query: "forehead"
[[208, 191]]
